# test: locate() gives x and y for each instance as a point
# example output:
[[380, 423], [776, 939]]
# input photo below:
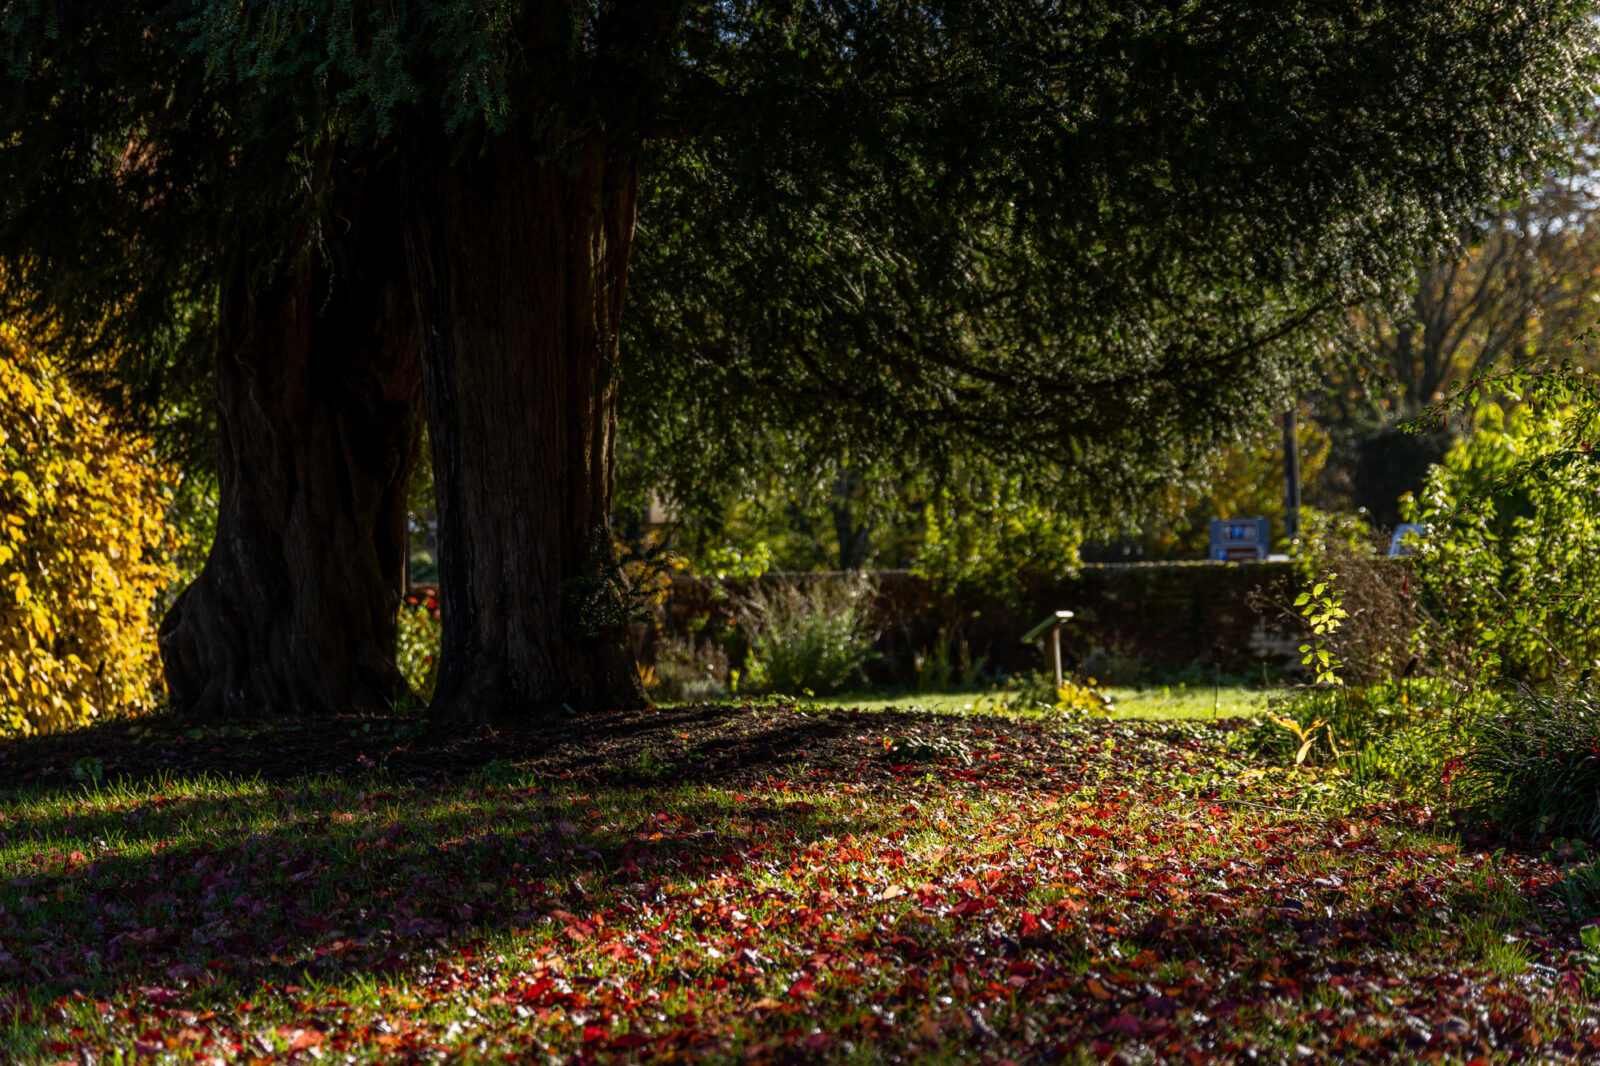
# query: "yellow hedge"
[[82, 556]]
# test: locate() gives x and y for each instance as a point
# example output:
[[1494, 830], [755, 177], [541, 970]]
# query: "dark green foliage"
[[113, 155], [1532, 765], [807, 640], [1087, 236], [1507, 574], [1094, 243]]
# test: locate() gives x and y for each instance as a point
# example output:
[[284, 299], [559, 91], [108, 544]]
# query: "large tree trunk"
[[318, 409], [518, 263]]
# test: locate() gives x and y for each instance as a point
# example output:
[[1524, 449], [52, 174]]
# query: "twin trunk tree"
[[492, 276], [497, 281]]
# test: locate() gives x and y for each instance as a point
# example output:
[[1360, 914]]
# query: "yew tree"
[[1084, 235]]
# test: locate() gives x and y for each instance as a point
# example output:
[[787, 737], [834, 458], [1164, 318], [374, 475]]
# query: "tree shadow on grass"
[[270, 896], [315, 898], [733, 746]]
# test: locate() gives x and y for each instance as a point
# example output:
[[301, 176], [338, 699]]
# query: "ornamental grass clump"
[[812, 641], [1532, 764]]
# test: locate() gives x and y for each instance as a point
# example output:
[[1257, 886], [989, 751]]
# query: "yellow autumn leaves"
[[82, 556]]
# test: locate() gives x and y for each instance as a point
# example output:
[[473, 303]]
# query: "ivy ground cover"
[[751, 884]]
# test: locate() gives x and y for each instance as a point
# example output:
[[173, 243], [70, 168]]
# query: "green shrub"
[[1038, 691], [1508, 572], [1400, 732], [814, 640], [993, 540], [1376, 614], [949, 664], [1579, 887], [689, 669], [1532, 762], [83, 553]]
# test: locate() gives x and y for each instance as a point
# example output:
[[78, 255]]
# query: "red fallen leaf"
[[803, 988], [591, 1033], [1124, 1024], [304, 1038], [77, 858], [628, 1041]]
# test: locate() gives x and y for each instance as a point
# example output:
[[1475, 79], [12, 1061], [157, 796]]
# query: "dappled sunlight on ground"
[[757, 883]]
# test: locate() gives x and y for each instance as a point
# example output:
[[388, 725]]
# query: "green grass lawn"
[[757, 883], [1155, 703]]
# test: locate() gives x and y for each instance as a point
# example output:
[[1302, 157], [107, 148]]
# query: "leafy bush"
[[813, 640], [949, 664], [995, 541], [1508, 571], [83, 554], [1579, 887], [1372, 641], [1038, 691], [421, 632], [725, 561], [1401, 732], [1532, 762]]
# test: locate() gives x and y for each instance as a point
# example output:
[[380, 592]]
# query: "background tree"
[[1523, 285], [1082, 240], [1115, 389], [1243, 480]]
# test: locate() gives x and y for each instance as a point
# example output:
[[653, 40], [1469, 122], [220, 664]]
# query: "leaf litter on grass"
[[757, 883]]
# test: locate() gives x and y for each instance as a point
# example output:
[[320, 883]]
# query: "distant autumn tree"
[[1526, 281]]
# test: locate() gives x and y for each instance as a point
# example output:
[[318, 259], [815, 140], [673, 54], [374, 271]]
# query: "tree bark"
[[518, 257], [318, 408]]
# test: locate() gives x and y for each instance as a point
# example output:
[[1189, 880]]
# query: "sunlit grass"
[[1165, 702]]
